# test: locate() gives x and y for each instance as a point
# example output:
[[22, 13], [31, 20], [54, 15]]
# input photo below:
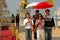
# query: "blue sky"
[[13, 5]]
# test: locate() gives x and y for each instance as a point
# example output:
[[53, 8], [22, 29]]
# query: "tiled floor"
[[22, 36], [55, 34]]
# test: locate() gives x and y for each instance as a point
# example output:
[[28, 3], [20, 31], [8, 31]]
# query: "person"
[[28, 24], [12, 18], [40, 27], [34, 20], [17, 21], [49, 23]]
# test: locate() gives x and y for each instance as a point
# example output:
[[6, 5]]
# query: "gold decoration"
[[22, 3], [50, 1]]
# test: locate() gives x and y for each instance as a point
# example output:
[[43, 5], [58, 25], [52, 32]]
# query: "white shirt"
[[28, 25]]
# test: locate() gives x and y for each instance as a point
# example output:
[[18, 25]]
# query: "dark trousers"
[[17, 25], [48, 34], [35, 32], [35, 35], [12, 21]]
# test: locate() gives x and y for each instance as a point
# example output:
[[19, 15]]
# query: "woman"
[[40, 27], [28, 24]]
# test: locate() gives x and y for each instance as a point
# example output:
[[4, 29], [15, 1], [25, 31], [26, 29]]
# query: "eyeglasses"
[[39, 15]]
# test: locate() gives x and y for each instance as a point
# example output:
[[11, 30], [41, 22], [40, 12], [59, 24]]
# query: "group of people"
[[41, 25], [15, 20]]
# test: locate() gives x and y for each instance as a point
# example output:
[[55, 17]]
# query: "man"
[[49, 23], [34, 20], [17, 21]]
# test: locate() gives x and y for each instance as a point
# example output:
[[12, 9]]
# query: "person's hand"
[[39, 23], [29, 21]]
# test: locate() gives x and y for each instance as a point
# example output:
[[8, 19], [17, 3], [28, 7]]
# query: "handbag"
[[32, 28]]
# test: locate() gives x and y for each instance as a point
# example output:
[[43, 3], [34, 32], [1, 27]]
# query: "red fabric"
[[43, 5], [7, 35], [7, 38], [14, 38]]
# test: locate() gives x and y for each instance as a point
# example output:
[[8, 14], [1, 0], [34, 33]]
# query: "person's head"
[[37, 12], [40, 16], [27, 15], [47, 11], [33, 16], [13, 15]]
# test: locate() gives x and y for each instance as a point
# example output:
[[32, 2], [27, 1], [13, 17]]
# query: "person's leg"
[[38, 34], [42, 34], [49, 34], [30, 34], [45, 31], [18, 25], [26, 32], [35, 33]]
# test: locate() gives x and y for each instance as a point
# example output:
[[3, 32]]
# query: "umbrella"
[[40, 5], [43, 5], [31, 5]]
